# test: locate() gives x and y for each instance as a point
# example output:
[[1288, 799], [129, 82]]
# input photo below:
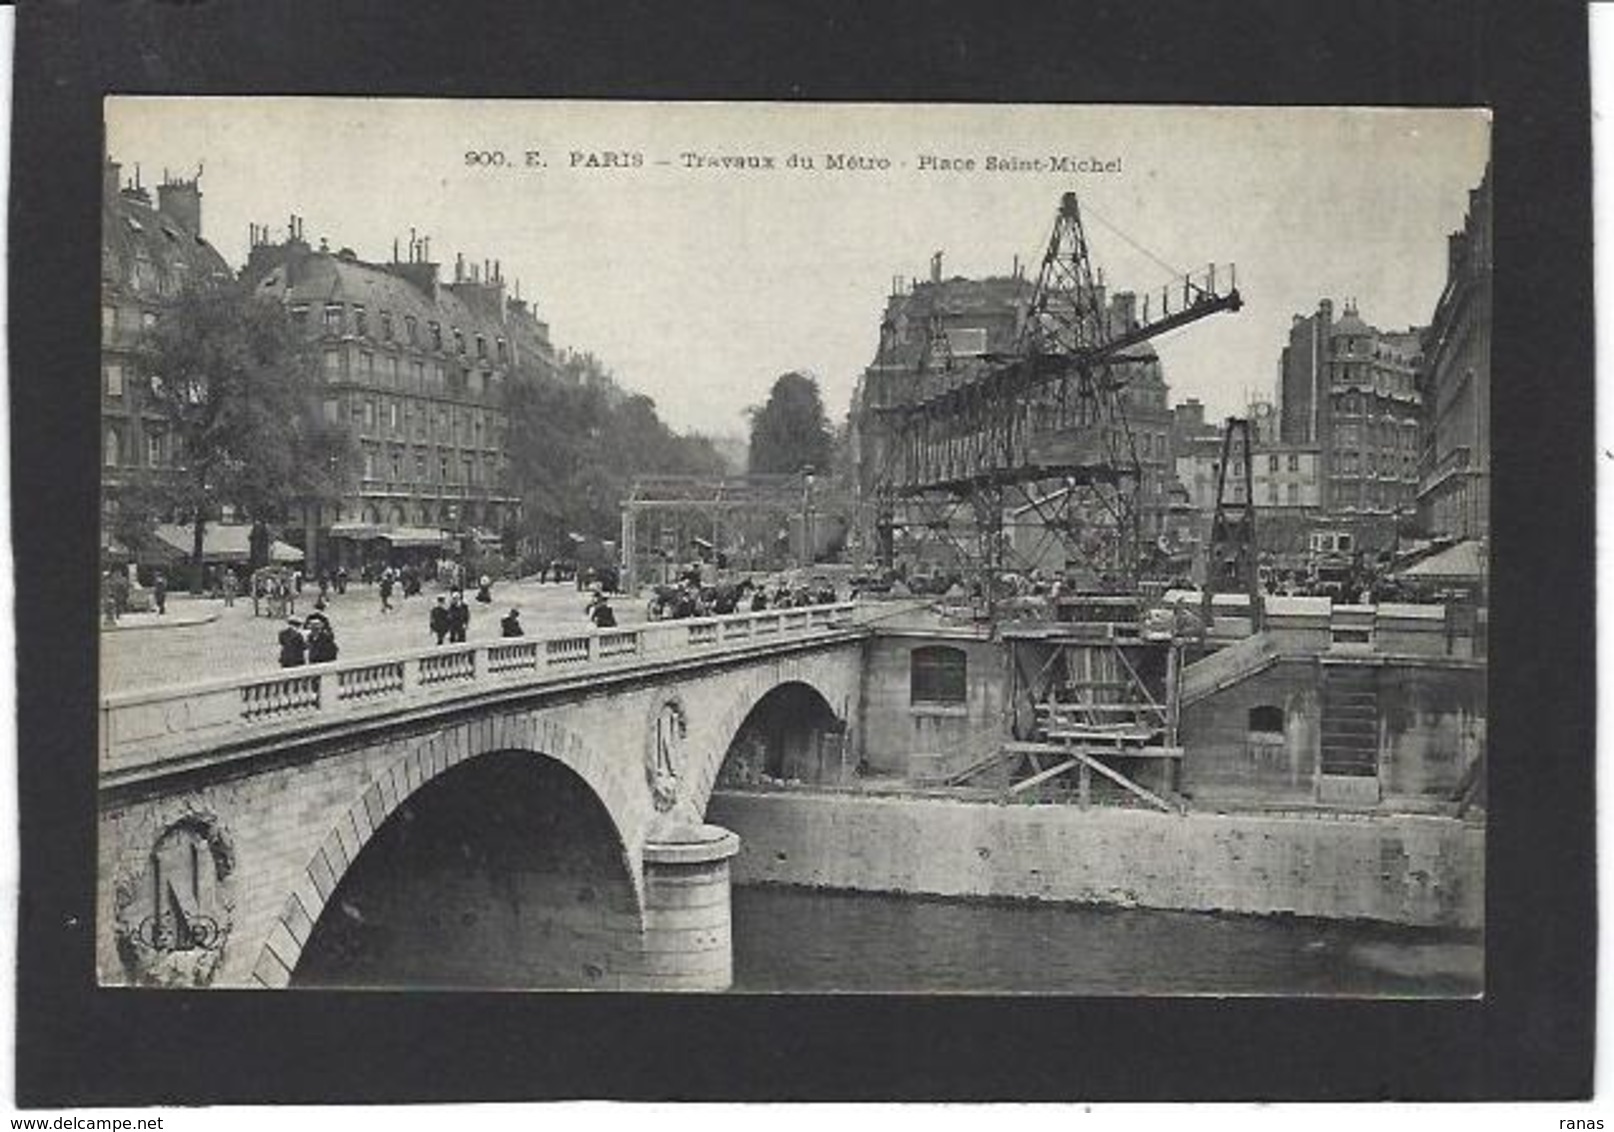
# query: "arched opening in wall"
[[505, 872], [792, 735]]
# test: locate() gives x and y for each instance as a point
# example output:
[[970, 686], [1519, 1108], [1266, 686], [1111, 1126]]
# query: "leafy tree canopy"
[[791, 431], [577, 443], [236, 388]]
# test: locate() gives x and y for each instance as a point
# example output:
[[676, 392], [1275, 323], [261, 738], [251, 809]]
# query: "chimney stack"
[[182, 200], [1126, 310]]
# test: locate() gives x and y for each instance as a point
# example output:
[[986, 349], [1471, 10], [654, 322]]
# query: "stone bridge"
[[525, 813]]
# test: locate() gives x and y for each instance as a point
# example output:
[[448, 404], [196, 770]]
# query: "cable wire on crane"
[[1175, 272]]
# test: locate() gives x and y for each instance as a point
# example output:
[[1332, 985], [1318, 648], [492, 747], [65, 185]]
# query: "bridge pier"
[[688, 942]]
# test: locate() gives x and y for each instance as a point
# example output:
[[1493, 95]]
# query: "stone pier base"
[[687, 940]]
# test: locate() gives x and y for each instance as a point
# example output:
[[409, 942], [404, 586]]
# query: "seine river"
[[795, 939]]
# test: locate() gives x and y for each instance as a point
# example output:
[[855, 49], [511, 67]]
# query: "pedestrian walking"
[[484, 593], [601, 613], [510, 624], [386, 591], [459, 617], [341, 579], [293, 647], [159, 592], [230, 585], [439, 620]]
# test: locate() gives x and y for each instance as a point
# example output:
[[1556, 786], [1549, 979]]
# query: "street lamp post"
[[807, 547]]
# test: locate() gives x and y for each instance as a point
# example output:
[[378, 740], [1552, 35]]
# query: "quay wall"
[[1431, 724], [1415, 870]]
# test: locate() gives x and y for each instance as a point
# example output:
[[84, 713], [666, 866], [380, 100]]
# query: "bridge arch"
[[805, 682], [419, 763]]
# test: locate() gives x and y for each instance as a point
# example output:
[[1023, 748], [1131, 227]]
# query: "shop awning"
[[403, 538], [360, 531], [222, 542], [1464, 561]]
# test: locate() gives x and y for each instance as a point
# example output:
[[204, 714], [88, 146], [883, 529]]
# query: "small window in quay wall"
[[937, 675]]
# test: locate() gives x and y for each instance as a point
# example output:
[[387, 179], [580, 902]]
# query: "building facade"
[[416, 368], [981, 317], [150, 254], [1285, 478], [1350, 390], [1455, 380]]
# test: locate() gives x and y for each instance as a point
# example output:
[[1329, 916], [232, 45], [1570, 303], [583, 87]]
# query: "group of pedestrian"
[[310, 641], [404, 579], [450, 621]]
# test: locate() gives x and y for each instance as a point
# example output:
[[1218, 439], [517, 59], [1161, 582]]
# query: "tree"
[[576, 445], [791, 431], [236, 388]]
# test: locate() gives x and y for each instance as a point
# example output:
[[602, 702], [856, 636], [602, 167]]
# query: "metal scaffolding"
[[1040, 430], [710, 500]]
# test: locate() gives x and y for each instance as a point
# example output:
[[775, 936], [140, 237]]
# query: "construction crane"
[[1232, 558], [1041, 428]]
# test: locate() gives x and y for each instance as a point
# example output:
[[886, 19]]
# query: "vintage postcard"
[[1000, 549]]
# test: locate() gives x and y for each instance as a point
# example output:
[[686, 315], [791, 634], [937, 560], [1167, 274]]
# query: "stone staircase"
[[1226, 667]]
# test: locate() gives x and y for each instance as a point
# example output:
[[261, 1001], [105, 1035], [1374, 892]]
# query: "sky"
[[699, 282]]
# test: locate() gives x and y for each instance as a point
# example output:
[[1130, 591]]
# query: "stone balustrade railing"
[[144, 728]]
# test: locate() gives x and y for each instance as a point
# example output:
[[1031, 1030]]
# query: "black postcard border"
[[1532, 1035]]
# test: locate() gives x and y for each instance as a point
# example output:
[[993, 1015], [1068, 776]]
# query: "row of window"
[[114, 320], [467, 470], [422, 377], [448, 425], [115, 445], [1290, 463], [1381, 463], [1357, 347], [1380, 434], [1395, 382], [335, 322], [423, 514]]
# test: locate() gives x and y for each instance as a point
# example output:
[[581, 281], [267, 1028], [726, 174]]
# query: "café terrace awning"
[[222, 542]]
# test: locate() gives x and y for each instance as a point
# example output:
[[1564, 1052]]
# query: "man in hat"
[[439, 620], [459, 617], [293, 647], [600, 612], [510, 625]]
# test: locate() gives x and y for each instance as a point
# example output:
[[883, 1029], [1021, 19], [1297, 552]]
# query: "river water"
[[803, 940]]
